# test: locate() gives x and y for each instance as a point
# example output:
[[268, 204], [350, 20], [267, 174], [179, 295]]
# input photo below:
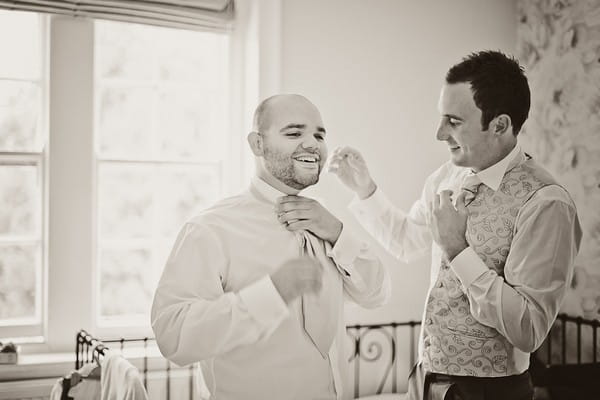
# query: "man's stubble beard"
[[282, 168]]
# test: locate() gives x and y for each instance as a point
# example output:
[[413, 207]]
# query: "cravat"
[[321, 310], [470, 185]]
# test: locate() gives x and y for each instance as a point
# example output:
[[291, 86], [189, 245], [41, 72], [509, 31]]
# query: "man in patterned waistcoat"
[[503, 236]]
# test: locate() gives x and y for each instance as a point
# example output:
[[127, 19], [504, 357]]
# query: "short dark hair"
[[498, 83]]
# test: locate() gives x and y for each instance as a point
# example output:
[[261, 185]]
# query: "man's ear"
[[255, 140], [501, 124]]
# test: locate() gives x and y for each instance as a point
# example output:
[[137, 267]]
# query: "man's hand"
[[296, 277], [301, 213], [351, 168], [449, 224]]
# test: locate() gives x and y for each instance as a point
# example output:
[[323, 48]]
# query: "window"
[[161, 136], [23, 136], [111, 136]]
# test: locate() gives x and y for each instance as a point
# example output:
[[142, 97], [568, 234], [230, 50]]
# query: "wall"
[[560, 43], [375, 68]]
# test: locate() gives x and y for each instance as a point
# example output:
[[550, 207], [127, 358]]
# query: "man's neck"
[[498, 157], [276, 183]]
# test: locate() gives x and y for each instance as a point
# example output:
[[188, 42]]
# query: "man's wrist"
[[337, 232], [455, 250], [367, 191]]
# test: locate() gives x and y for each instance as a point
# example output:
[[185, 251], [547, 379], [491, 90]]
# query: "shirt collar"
[[492, 176], [262, 189]]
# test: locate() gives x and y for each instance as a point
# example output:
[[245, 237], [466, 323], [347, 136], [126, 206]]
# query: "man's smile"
[[307, 159]]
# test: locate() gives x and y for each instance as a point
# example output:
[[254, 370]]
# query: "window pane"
[[153, 202], [187, 56], [186, 126], [125, 123], [20, 45], [126, 281], [161, 138], [124, 51], [20, 201], [125, 201], [182, 193], [18, 281], [20, 109]]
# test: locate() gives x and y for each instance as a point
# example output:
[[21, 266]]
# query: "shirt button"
[[428, 321]]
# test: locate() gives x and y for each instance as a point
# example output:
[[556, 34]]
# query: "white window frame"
[[108, 327], [35, 332], [70, 197]]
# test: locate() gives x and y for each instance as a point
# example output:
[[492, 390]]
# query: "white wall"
[[374, 68]]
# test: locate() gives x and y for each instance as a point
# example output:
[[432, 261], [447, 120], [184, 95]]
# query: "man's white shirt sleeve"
[[523, 304], [405, 235], [187, 308], [366, 280]]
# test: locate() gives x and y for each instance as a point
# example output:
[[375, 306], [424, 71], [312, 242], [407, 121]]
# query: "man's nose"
[[442, 133], [310, 142]]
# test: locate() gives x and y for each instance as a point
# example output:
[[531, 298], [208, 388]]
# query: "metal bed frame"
[[374, 341]]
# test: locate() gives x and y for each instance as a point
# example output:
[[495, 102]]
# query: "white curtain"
[[214, 15]]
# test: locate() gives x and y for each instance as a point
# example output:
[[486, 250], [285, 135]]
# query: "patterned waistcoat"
[[453, 341]]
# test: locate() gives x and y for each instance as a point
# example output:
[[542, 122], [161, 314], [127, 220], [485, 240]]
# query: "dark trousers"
[[423, 385]]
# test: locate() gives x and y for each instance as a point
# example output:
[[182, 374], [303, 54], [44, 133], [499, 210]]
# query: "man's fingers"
[[297, 225], [436, 202], [343, 164], [289, 216], [333, 163], [445, 198], [355, 162], [333, 167], [346, 151], [337, 150], [291, 206], [293, 198], [335, 157], [461, 205]]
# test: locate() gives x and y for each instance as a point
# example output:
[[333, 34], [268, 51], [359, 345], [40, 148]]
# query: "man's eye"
[[293, 134], [453, 122], [320, 137]]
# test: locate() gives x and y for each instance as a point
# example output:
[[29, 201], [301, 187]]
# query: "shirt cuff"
[[264, 303], [346, 248], [373, 205], [468, 266]]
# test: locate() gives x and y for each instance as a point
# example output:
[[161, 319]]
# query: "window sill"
[[38, 366], [54, 365]]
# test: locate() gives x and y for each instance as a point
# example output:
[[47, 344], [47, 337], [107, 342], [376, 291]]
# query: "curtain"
[[215, 15]]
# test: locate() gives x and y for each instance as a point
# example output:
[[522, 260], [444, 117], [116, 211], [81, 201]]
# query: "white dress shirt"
[[215, 303], [523, 304]]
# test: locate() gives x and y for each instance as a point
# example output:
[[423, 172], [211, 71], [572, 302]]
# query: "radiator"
[[157, 386], [35, 389]]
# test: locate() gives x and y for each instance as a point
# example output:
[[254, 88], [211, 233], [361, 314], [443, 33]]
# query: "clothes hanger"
[[96, 373]]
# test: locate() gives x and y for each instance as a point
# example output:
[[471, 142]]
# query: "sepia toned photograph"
[[299, 199]]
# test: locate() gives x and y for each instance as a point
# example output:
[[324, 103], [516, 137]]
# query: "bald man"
[[254, 286]]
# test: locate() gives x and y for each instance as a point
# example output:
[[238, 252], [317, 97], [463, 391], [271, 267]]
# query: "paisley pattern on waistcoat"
[[454, 342]]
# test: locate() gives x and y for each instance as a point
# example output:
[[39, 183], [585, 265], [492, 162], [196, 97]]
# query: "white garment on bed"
[[120, 380]]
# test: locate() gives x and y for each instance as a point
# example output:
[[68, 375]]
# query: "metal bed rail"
[[382, 344], [88, 349]]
